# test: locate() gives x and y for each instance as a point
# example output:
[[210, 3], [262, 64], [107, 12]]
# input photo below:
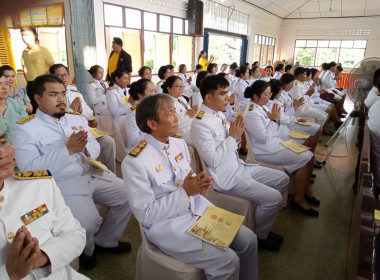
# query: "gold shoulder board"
[[251, 107], [198, 90], [296, 82], [26, 119], [111, 88], [136, 151], [239, 80], [73, 112], [177, 135], [133, 107], [75, 90], [159, 82], [91, 82], [200, 115], [378, 93], [29, 175]]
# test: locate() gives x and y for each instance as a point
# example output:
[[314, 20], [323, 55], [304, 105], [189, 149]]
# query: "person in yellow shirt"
[[36, 60], [202, 60], [119, 59]]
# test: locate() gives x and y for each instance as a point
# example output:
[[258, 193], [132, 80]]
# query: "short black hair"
[[93, 70], [118, 41], [56, 66], [7, 68], [212, 83], [198, 66], [376, 78], [308, 72], [313, 72], [170, 66], [162, 70], [118, 73], [169, 83], [299, 71], [275, 86], [38, 86], [339, 68], [210, 66], [138, 87], [222, 74], [269, 66], [287, 78], [200, 77], [257, 88], [279, 67], [242, 69], [149, 109], [288, 67], [234, 66]]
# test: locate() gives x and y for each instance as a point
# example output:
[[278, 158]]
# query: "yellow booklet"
[[97, 133], [299, 134], [303, 122], [217, 227], [98, 164], [294, 146], [124, 99]]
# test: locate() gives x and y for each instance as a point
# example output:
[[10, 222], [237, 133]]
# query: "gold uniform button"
[[11, 235], [177, 184], [82, 161], [168, 153], [192, 211], [164, 148], [1, 198], [175, 169]]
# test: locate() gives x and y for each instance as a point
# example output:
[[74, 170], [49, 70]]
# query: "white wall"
[[313, 27]]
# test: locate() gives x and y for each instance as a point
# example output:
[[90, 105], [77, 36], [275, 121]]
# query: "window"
[[151, 39], [225, 49], [263, 49], [316, 52], [52, 38]]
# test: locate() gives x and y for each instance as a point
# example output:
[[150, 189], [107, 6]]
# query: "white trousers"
[[107, 152], [108, 190], [239, 261], [265, 187]]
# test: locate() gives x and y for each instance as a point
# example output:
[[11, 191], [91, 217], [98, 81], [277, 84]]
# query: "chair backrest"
[[195, 163], [250, 155], [237, 107]]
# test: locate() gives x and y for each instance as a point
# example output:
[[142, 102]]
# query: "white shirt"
[[115, 104], [239, 89], [96, 92], [72, 93], [372, 97]]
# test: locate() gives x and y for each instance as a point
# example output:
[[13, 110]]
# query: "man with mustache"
[[59, 141]]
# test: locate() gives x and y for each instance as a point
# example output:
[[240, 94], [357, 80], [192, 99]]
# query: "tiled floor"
[[312, 249]]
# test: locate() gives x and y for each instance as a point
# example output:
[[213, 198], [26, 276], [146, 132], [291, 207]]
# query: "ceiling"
[[318, 8]]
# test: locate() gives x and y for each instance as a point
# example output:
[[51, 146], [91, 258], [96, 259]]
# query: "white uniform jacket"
[[59, 234], [298, 91], [285, 120], [158, 86], [210, 135], [41, 143], [277, 75], [134, 134], [97, 96], [72, 93], [372, 97], [197, 99], [328, 81], [232, 79], [263, 133], [115, 103], [184, 121], [186, 86], [266, 78], [154, 177], [239, 89]]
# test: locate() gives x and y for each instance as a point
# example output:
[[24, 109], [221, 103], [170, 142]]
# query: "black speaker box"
[[195, 17]]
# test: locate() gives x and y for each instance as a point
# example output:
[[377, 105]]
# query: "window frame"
[[265, 42], [143, 30], [328, 47]]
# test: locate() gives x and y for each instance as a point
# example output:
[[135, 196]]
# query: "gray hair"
[[149, 108]]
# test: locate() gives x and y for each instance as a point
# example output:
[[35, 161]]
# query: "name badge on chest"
[[34, 214], [78, 127], [179, 157]]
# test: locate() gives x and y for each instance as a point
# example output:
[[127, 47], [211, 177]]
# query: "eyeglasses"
[[179, 87], [63, 76]]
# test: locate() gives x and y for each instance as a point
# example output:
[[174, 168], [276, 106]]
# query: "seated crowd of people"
[[69, 167]]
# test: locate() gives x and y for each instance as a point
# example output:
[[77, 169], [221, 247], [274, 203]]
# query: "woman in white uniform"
[[255, 72], [145, 72], [96, 90], [240, 85], [280, 69], [186, 81], [263, 130], [373, 94], [173, 87], [197, 99], [137, 91]]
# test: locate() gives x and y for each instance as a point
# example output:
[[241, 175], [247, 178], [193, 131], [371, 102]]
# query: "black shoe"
[[313, 176], [312, 200], [311, 181], [123, 247], [269, 244], [338, 124], [87, 262], [311, 212], [243, 152], [330, 133], [319, 162], [317, 165], [276, 237]]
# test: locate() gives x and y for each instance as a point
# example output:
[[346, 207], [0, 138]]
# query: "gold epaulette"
[[133, 107], [251, 107], [73, 112], [29, 175], [74, 90], [198, 90], [239, 80], [200, 115], [111, 88], [91, 82], [159, 82], [177, 135], [136, 151], [26, 119], [378, 93], [296, 82]]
